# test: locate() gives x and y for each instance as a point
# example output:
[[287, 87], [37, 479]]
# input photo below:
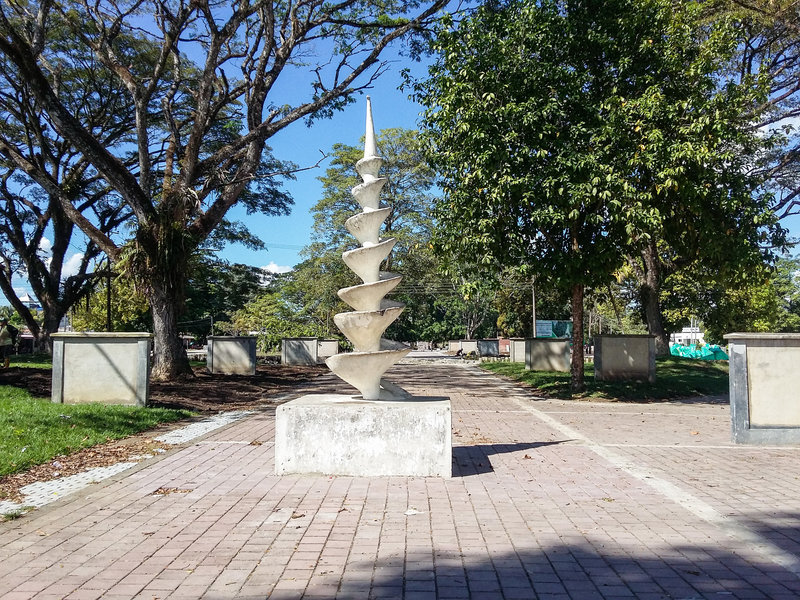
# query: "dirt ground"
[[203, 394]]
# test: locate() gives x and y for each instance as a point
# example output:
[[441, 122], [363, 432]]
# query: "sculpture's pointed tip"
[[370, 147]]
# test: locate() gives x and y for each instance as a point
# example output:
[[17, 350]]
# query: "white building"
[[689, 336]]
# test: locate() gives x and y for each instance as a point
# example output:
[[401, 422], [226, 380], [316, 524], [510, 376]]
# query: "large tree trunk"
[[170, 361], [576, 367], [649, 292], [52, 320]]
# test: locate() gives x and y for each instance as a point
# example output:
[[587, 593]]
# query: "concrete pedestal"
[[231, 355], [110, 368], [344, 435], [299, 351], [547, 354], [517, 350], [488, 347], [765, 409], [623, 357]]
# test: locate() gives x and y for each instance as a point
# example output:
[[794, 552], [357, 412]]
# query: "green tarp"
[[705, 352]]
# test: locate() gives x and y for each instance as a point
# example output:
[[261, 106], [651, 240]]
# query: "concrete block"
[[468, 346], [547, 354], [326, 348], [765, 407], [339, 435], [299, 351], [454, 345], [488, 347], [516, 350], [623, 357], [109, 368], [505, 346], [231, 355]]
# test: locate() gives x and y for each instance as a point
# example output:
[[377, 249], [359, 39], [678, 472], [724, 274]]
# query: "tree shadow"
[[577, 571], [475, 460]]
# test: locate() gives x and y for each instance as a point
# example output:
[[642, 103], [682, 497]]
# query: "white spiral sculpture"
[[373, 354]]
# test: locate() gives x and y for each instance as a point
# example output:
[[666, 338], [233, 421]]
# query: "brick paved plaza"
[[549, 499]]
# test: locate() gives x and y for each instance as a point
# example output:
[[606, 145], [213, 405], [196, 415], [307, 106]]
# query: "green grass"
[[676, 377], [34, 430], [34, 361]]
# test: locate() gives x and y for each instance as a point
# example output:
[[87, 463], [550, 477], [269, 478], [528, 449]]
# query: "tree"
[[553, 126], [200, 129], [37, 167], [517, 103], [769, 35], [216, 289]]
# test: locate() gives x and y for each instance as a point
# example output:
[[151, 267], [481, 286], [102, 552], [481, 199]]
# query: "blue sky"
[[285, 236]]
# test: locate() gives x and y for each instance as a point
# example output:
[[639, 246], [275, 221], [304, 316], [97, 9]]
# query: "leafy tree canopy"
[[571, 134]]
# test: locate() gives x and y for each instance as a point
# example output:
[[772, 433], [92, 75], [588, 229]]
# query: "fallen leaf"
[[163, 491], [695, 432]]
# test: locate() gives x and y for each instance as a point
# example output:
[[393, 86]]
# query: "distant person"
[[6, 341]]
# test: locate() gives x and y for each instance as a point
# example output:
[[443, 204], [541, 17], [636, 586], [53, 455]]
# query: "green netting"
[[704, 352]]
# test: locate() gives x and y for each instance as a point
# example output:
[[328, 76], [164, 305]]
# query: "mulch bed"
[[203, 393]]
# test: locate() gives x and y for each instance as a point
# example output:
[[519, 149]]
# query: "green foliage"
[[129, 308], [34, 431], [572, 137], [786, 284], [767, 300], [514, 300], [270, 317], [216, 290], [675, 378]]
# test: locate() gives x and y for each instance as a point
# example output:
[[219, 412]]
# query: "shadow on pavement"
[[576, 572], [474, 460]]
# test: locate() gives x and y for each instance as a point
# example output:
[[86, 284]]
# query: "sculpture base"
[[345, 435]]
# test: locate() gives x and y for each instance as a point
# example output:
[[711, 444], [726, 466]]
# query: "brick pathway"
[[549, 499]]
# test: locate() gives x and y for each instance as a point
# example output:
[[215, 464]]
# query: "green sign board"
[[551, 328]]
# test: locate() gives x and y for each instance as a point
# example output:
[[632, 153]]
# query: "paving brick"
[[554, 498]]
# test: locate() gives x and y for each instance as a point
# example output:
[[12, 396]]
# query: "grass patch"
[[676, 377], [39, 360], [34, 430]]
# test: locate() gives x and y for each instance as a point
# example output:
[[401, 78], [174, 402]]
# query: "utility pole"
[[108, 299], [533, 304]]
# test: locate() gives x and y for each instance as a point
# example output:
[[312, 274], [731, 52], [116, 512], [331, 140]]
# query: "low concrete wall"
[[622, 357], [454, 345], [516, 350], [764, 379], [326, 348], [505, 346], [546, 354], [468, 346], [488, 347], [110, 368], [231, 355], [337, 435], [299, 351]]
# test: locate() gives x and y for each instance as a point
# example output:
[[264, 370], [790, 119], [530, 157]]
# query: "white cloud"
[[272, 267], [45, 245], [71, 265]]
